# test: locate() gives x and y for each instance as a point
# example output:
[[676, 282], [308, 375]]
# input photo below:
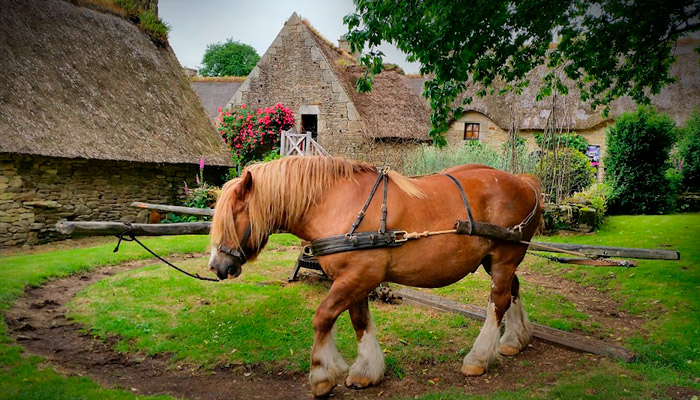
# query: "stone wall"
[[36, 192], [489, 133], [294, 72]]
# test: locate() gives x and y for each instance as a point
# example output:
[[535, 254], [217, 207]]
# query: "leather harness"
[[393, 238]]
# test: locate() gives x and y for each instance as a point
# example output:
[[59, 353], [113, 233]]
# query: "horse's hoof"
[[507, 350], [322, 389], [473, 370], [357, 382]]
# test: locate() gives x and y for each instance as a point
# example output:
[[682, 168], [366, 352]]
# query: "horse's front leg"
[[368, 369], [327, 365]]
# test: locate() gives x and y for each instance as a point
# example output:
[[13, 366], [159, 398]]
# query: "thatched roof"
[[677, 100], [214, 95], [80, 83], [392, 110]]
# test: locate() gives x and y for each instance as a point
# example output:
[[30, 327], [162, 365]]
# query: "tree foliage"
[[638, 147], [609, 48], [231, 58], [689, 154]]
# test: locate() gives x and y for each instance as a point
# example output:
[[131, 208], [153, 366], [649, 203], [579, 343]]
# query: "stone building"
[[488, 119], [93, 116], [316, 80]]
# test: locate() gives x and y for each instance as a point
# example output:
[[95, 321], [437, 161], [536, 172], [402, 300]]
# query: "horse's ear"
[[245, 185]]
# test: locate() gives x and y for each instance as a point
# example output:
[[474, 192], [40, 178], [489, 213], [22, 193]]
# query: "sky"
[[195, 24]]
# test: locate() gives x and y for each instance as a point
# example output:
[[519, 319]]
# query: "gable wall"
[[294, 72]]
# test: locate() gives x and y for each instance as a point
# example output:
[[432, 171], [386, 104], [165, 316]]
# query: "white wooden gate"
[[301, 144]]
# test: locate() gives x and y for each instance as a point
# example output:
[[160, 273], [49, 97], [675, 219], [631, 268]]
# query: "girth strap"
[[466, 203], [358, 241]]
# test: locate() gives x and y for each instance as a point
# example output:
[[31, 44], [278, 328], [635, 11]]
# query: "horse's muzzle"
[[227, 270]]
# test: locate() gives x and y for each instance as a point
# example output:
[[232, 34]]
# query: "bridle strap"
[[237, 253]]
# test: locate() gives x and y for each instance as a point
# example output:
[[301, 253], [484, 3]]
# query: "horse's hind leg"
[[518, 329], [368, 369], [485, 349]]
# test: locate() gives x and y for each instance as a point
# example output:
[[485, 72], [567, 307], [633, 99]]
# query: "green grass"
[[25, 377], [268, 323], [255, 320], [665, 293]]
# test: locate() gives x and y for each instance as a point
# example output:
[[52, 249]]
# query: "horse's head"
[[231, 241]]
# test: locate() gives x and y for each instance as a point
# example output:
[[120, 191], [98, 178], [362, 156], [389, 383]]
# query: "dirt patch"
[[601, 308], [38, 323]]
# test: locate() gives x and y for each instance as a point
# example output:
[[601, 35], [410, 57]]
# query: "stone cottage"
[[488, 119], [316, 80], [93, 116]]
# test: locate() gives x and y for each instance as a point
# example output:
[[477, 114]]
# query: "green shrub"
[[564, 172], [429, 159], [570, 139], [597, 196], [689, 154], [524, 162], [638, 147], [201, 196]]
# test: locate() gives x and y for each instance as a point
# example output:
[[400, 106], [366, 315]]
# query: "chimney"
[[345, 46]]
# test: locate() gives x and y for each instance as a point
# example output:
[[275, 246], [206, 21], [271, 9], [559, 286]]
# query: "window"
[[471, 131]]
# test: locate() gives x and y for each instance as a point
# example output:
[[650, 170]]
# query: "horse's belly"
[[432, 266]]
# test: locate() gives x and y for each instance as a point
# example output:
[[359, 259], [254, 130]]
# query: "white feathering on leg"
[[485, 349], [370, 359], [332, 367]]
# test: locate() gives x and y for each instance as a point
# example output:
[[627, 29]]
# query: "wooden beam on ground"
[[99, 228], [557, 336], [605, 251], [206, 212]]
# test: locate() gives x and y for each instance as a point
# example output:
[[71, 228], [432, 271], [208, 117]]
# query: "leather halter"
[[238, 254]]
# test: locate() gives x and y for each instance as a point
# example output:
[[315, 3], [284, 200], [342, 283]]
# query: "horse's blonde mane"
[[284, 189]]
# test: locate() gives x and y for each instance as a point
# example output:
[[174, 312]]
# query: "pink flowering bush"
[[253, 135]]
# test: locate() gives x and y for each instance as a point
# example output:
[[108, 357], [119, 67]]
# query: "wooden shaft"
[[605, 251], [207, 212], [99, 228]]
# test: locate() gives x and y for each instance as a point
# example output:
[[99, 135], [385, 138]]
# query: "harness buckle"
[[401, 239], [306, 250]]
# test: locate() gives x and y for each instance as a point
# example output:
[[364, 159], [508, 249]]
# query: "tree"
[[231, 58], [637, 159], [610, 48], [689, 152]]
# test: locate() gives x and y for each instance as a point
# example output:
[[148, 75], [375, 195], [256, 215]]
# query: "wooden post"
[[98, 228]]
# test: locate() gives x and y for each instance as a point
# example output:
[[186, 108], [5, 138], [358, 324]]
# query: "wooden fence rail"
[[205, 212]]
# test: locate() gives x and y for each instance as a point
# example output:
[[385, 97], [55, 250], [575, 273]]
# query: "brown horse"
[[319, 197]]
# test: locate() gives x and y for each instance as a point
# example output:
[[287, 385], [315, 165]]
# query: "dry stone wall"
[[36, 192]]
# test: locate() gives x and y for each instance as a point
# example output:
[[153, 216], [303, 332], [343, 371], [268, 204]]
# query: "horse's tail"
[[406, 184], [534, 183]]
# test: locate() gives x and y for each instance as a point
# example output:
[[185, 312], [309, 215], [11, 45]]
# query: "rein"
[[128, 236], [131, 238]]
